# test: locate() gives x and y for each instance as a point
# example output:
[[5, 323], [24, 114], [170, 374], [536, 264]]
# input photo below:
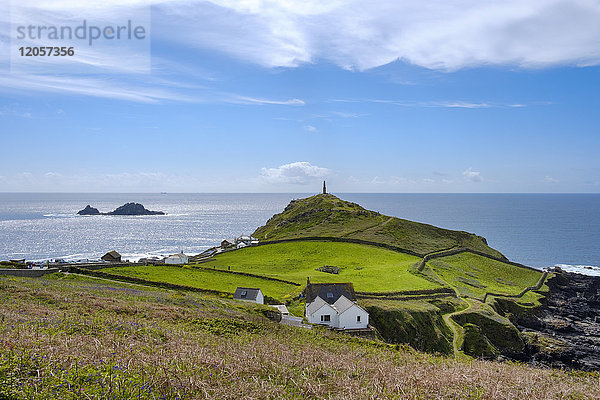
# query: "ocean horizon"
[[539, 230]]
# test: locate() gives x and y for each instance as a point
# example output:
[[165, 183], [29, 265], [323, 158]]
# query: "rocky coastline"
[[565, 331]]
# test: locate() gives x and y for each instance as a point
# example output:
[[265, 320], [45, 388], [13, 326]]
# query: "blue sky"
[[276, 96]]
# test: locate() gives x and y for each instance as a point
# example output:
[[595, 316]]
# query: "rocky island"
[[125, 209]]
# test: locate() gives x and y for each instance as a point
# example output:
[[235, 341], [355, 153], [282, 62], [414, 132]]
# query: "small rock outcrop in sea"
[[134, 209], [89, 210], [125, 209]]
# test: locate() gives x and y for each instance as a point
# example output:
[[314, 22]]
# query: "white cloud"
[[297, 173], [550, 179], [473, 176], [353, 34], [365, 34], [310, 128]]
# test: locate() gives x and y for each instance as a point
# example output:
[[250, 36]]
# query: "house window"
[[329, 295], [244, 293], [358, 318], [325, 318]]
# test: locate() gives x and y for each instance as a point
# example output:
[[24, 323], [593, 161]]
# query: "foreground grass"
[[86, 338]]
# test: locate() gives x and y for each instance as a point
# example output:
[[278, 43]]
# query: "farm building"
[[111, 256], [249, 294], [226, 244], [177, 259], [334, 305]]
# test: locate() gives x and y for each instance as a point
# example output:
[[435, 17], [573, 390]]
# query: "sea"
[[539, 230]]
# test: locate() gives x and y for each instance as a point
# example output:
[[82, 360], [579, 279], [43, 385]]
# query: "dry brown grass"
[[187, 347]]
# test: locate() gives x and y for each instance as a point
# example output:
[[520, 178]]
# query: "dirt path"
[[457, 330], [385, 223]]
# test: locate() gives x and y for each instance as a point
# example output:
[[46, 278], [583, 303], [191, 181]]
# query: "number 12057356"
[[46, 51]]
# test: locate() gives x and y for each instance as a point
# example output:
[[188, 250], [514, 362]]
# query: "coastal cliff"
[[565, 330]]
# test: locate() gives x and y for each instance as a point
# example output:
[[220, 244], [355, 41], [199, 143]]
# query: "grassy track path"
[[457, 330]]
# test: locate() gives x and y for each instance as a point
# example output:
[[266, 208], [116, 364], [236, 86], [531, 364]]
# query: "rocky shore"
[[565, 331]]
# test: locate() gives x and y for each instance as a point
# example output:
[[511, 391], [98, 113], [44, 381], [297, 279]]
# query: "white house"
[[241, 245], [247, 240], [334, 305], [177, 259], [249, 294]]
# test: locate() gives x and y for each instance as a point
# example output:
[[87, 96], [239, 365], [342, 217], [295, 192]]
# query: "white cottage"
[[177, 259], [334, 305]]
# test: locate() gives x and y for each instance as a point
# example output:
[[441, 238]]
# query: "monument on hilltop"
[[324, 188]]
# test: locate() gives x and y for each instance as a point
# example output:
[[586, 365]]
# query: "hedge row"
[[517, 296]]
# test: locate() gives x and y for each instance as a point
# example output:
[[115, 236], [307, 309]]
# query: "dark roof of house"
[[329, 292], [243, 293], [111, 254]]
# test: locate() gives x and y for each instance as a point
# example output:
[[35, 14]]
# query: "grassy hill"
[[81, 338], [325, 215]]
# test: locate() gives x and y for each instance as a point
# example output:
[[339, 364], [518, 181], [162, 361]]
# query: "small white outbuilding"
[[179, 258]]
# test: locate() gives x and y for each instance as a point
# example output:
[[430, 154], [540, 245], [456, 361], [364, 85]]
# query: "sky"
[[278, 95]]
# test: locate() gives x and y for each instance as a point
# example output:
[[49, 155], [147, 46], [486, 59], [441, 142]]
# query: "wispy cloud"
[[310, 128], [92, 86], [14, 111], [261, 101], [436, 104], [549, 179]]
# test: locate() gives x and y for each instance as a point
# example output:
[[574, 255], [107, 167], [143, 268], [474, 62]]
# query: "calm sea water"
[[540, 230]]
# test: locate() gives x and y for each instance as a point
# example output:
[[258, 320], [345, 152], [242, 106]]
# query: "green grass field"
[[205, 279], [370, 268], [474, 275]]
